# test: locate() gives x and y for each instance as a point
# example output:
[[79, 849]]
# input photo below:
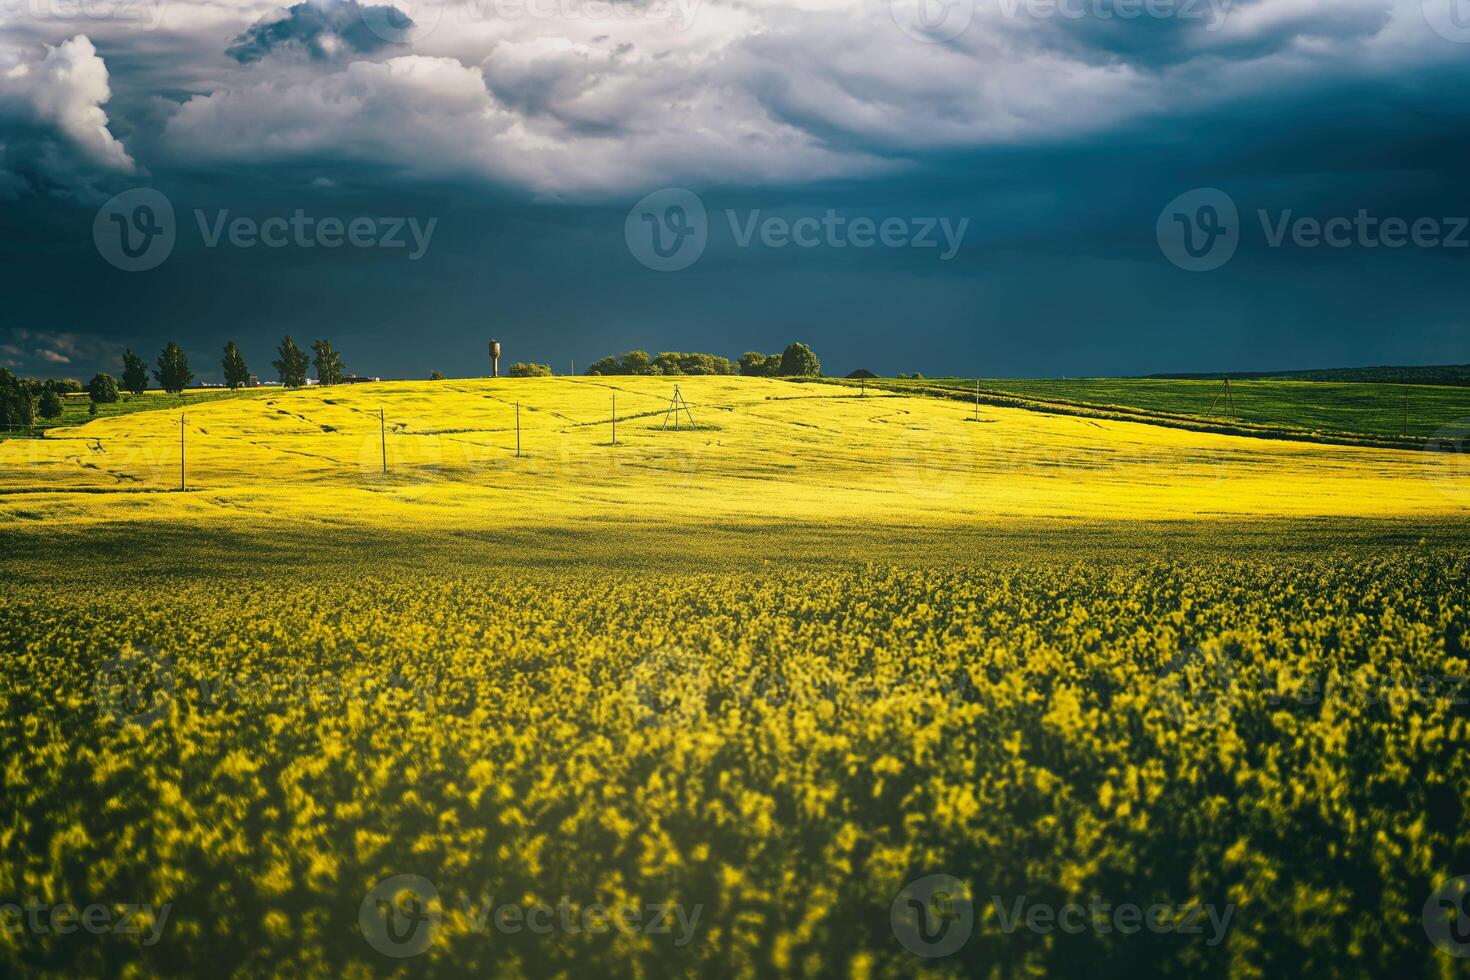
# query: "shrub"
[[520, 370], [50, 406], [103, 389]]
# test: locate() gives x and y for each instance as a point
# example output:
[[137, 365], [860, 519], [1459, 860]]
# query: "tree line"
[[797, 360], [23, 400]]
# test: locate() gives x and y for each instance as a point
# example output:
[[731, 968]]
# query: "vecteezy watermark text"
[[1200, 230], [304, 231], [669, 229], [97, 918], [136, 230], [401, 915], [1127, 918], [148, 14]]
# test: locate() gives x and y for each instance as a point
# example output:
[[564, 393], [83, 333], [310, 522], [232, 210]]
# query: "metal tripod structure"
[[1229, 400], [677, 404]]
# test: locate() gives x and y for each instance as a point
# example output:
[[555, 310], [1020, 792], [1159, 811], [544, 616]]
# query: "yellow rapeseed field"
[[827, 686]]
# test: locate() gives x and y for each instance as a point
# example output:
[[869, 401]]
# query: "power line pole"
[[977, 399], [615, 418], [181, 452], [1406, 410], [518, 430], [383, 439]]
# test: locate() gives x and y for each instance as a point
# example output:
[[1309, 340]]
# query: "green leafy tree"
[[329, 366], [605, 366], [292, 364], [519, 370], [50, 406], [134, 373], [102, 389], [436, 375], [753, 364], [173, 373], [237, 374], [798, 360], [17, 408], [637, 362]]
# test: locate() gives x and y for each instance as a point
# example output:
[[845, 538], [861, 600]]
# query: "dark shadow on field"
[[139, 551]]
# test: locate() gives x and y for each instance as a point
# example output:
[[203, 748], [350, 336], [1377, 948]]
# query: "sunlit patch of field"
[[762, 450]]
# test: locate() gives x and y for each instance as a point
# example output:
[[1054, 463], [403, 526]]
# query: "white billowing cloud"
[[51, 105], [576, 97]]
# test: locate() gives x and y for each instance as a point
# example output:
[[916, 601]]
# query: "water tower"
[[494, 358]]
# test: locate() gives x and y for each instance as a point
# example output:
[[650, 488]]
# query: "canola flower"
[[783, 751]]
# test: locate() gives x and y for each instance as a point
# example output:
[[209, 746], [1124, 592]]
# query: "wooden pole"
[[864, 390], [181, 451], [383, 438], [977, 399], [518, 430], [1406, 410], [615, 418]]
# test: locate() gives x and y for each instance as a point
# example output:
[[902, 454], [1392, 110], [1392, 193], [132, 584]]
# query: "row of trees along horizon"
[[22, 400]]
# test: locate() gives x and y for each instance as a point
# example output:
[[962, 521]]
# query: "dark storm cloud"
[[321, 30], [1059, 139]]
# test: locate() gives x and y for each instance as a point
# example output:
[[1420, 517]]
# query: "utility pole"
[[863, 391], [615, 418], [518, 430], [977, 399], [1406, 410], [181, 451], [383, 439]]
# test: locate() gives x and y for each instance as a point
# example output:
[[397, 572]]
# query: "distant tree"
[[102, 389], [292, 364], [173, 369], [753, 364], [436, 376], [66, 386], [917, 376], [329, 366], [637, 362], [798, 360], [519, 370], [237, 375], [773, 365], [17, 408], [605, 365], [50, 406], [134, 373]]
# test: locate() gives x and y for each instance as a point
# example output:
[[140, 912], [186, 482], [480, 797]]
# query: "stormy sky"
[[991, 187]]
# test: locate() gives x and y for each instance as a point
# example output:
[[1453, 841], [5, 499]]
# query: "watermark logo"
[[1212, 12], [147, 13], [402, 21], [1102, 917], [933, 916], [136, 687], [1198, 685], [1199, 230], [135, 231], [932, 464], [932, 21], [400, 916], [1450, 19], [1447, 459], [97, 919], [1447, 917], [667, 230], [669, 687]]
